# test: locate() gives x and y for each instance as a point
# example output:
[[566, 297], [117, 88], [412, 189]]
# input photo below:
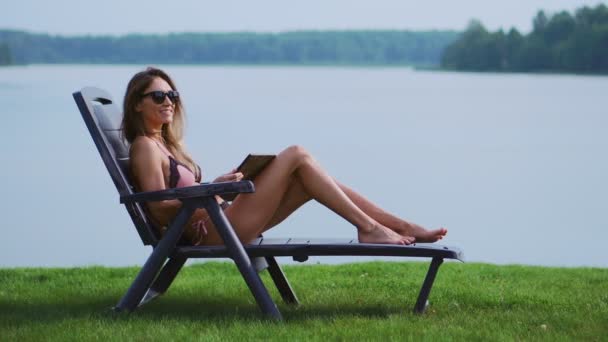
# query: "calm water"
[[514, 165]]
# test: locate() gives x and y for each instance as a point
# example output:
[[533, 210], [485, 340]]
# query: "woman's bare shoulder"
[[142, 143], [143, 148], [146, 164]]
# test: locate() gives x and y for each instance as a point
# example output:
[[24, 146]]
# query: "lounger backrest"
[[103, 119]]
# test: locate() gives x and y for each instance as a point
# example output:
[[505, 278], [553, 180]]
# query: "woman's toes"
[[408, 240]]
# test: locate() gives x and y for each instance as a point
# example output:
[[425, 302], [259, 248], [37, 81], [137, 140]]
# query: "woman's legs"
[[250, 214], [400, 226], [295, 197]]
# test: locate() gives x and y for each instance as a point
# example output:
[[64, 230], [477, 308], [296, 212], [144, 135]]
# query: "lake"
[[514, 165]]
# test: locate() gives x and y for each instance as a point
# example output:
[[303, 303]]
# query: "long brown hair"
[[133, 122]]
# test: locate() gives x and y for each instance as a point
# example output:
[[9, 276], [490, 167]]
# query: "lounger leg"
[[242, 260], [159, 255], [422, 301], [281, 281], [164, 279]]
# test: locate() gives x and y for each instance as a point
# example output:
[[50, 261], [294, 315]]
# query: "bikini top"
[[179, 174]]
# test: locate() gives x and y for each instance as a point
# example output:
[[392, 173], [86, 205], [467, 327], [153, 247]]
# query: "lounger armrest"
[[203, 190]]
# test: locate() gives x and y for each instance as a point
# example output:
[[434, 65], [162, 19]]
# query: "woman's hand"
[[232, 176]]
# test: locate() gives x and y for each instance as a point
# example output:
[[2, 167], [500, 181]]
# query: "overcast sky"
[[76, 17]]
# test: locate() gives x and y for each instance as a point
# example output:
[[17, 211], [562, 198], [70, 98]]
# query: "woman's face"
[[155, 115]]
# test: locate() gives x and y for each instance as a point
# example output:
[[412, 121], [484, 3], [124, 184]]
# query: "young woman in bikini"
[[153, 125]]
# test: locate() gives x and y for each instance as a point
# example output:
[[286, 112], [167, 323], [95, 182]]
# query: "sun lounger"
[[102, 118]]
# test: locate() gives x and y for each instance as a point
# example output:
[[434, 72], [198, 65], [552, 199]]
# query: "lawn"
[[364, 301]]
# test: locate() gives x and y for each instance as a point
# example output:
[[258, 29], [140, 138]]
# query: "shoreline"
[[413, 67]]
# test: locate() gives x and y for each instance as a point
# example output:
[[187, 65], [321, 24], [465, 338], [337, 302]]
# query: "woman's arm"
[[147, 168]]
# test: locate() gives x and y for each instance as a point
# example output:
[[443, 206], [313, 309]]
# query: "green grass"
[[368, 301]]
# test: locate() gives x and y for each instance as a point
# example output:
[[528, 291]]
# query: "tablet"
[[253, 164]]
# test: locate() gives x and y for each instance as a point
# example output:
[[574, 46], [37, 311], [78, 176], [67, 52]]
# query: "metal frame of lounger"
[[103, 118]]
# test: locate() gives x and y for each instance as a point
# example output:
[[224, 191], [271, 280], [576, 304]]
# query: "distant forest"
[[567, 42], [5, 55], [301, 47], [560, 42]]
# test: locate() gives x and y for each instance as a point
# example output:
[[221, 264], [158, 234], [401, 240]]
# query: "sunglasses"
[[159, 97]]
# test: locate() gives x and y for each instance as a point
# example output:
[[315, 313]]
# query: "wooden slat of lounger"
[[319, 247]]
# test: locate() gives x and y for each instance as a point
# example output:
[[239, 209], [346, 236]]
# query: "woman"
[[153, 122]]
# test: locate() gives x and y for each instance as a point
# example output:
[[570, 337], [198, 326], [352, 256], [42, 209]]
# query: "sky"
[[117, 17]]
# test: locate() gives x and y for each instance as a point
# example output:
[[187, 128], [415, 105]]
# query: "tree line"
[[561, 42], [301, 47], [5, 55]]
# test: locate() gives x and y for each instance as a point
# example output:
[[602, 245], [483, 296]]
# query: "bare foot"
[[421, 234], [381, 234]]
